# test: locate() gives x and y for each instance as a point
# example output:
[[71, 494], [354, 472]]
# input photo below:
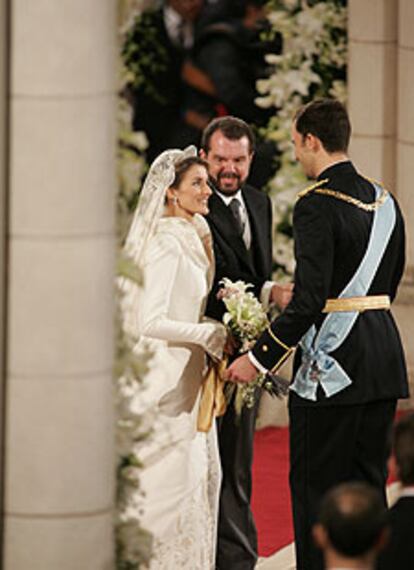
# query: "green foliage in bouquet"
[[246, 319]]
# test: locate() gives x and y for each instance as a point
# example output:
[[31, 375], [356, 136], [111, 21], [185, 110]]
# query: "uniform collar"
[[343, 167]]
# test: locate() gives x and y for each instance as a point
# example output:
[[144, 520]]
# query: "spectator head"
[[352, 522], [187, 9], [249, 8], [228, 145], [403, 447]]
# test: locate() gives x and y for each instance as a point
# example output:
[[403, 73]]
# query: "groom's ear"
[[312, 142], [203, 154]]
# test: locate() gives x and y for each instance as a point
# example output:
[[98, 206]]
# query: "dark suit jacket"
[[232, 258], [331, 237], [399, 554]]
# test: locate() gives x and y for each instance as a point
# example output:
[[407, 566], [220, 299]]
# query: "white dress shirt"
[[247, 232], [180, 31]]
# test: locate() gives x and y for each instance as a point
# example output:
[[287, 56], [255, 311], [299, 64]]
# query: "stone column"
[[4, 86], [404, 311], [405, 140], [372, 82], [59, 440]]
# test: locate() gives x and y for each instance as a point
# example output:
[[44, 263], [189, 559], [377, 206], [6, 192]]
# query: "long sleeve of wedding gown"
[[161, 284]]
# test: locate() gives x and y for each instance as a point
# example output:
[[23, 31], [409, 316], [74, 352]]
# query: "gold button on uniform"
[[265, 348]]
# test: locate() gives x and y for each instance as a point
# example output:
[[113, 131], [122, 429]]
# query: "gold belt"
[[360, 304]]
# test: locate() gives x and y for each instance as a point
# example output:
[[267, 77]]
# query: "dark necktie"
[[184, 35], [235, 208]]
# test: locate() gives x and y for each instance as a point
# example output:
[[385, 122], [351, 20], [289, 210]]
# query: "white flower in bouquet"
[[245, 316], [246, 319]]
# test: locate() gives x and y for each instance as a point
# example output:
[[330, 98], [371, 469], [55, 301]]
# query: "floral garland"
[[133, 543], [312, 64], [143, 55]]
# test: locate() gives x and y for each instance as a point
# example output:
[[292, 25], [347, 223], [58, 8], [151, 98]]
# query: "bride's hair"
[[182, 166]]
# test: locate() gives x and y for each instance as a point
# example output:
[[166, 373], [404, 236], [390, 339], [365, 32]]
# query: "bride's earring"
[[174, 201]]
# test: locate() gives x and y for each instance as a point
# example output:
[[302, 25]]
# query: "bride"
[[171, 241]]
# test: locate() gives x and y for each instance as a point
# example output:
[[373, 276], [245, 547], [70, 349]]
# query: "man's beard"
[[217, 182]]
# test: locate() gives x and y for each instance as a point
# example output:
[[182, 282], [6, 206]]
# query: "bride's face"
[[192, 193]]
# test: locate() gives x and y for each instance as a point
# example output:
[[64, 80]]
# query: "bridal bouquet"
[[246, 319]]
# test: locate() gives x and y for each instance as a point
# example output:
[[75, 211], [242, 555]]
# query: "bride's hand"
[[231, 345]]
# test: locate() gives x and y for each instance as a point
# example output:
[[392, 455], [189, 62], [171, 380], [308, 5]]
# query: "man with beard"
[[240, 219]]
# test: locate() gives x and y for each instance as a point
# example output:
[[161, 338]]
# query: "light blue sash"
[[318, 367]]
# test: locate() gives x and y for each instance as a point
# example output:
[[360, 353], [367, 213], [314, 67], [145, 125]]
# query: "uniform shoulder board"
[[373, 181], [312, 187]]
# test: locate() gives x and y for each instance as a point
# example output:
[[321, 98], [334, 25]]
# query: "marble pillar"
[[404, 309], [405, 124], [59, 453], [4, 87], [372, 86]]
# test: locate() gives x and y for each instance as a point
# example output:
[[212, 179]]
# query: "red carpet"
[[271, 498]]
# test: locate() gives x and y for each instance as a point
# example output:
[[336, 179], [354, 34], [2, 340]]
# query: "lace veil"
[[144, 224]]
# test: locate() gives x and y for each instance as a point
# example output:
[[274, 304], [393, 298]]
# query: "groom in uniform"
[[349, 368], [240, 219]]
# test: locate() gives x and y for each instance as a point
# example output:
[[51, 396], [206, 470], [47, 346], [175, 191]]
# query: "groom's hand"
[[281, 294], [241, 370]]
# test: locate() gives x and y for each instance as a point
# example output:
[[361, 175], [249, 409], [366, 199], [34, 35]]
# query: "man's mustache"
[[228, 175]]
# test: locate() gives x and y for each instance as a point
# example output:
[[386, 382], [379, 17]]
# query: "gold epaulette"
[[316, 188], [373, 181], [354, 201], [303, 193]]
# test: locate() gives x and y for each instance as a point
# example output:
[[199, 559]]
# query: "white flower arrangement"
[[312, 64], [133, 543], [245, 318]]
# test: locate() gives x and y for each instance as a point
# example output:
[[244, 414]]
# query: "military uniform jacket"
[[331, 232], [233, 260]]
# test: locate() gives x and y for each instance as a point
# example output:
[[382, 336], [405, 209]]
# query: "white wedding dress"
[[181, 475]]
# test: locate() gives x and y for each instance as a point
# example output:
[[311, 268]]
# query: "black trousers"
[[330, 445], [237, 537]]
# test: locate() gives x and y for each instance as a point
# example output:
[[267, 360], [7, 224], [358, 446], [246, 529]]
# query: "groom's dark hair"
[[326, 119], [232, 128]]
